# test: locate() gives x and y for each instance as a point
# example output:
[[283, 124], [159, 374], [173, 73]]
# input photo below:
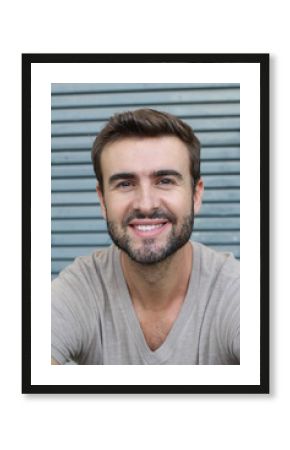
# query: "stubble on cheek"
[[151, 251]]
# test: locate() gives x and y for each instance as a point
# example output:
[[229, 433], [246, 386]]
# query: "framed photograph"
[[145, 223]]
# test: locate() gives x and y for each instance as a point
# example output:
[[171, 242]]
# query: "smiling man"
[[153, 297]]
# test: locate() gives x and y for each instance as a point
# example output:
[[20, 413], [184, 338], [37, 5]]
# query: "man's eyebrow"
[[167, 172], [156, 174], [121, 176]]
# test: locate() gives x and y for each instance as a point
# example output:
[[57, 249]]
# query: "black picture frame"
[[262, 60]]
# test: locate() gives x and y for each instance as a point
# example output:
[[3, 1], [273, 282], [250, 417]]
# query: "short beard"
[[148, 255]]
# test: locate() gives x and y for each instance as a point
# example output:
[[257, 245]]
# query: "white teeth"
[[148, 227]]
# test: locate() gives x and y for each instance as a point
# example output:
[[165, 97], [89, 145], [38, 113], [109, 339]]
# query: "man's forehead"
[[153, 153], [145, 141]]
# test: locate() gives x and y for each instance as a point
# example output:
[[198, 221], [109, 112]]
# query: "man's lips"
[[135, 222], [148, 227]]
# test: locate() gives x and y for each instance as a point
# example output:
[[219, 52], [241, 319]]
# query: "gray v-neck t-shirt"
[[94, 321]]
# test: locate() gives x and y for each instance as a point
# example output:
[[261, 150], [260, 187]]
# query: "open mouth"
[[148, 228]]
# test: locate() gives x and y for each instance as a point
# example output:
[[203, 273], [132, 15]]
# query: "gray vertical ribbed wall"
[[79, 111]]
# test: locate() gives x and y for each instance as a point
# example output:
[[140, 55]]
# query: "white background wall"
[[201, 421]]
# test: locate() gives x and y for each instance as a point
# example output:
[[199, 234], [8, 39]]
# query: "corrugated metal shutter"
[[79, 111]]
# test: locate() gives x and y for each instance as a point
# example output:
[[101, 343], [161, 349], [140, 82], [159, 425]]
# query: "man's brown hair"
[[146, 123]]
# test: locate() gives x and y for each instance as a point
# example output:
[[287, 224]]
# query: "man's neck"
[[158, 286]]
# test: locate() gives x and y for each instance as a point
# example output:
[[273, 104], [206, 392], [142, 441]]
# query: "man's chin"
[[149, 255], [147, 259], [151, 250]]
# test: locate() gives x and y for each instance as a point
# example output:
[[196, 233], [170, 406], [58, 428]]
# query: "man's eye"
[[165, 181], [124, 184]]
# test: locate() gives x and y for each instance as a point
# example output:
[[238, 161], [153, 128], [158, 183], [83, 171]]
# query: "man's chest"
[[156, 327]]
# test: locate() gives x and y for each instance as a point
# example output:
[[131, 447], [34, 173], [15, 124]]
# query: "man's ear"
[[198, 194], [102, 201]]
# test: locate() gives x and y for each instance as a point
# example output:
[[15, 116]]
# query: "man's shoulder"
[[217, 262], [84, 268]]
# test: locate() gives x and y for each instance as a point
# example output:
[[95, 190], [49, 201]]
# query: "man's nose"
[[146, 199]]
